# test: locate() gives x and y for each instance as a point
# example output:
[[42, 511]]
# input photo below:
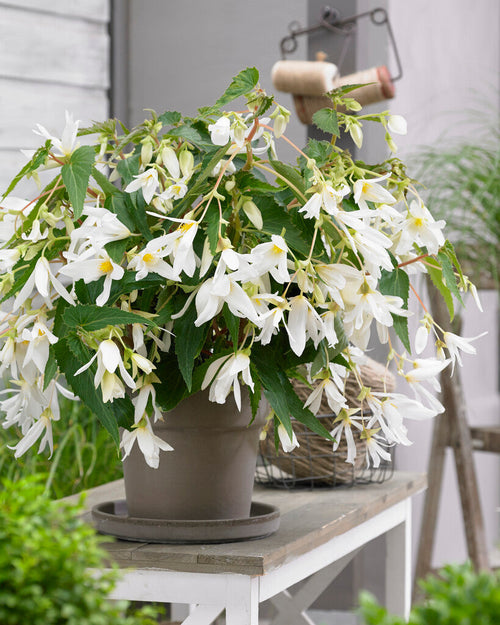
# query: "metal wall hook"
[[330, 20]]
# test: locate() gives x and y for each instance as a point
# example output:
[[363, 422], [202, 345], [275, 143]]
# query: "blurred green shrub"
[[46, 552], [456, 596], [83, 457]]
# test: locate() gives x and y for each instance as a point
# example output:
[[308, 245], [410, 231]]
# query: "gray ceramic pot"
[[210, 473]]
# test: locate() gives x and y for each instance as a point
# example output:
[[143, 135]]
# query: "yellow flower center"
[[277, 250], [418, 221], [365, 188], [148, 258], [106, 266], [185, 227]]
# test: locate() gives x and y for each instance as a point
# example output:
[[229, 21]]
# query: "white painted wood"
[[94, 10], [51, 48], [305, 565], [22, 106], [291, 608], [203, 615], [242, 607], [398, 566]]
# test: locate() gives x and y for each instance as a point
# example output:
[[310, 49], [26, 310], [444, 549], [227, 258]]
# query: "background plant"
[[47, 554], [82, 459], [462, 177], [457, 595]]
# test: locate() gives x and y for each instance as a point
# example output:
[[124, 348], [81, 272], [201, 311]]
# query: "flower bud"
[[397, 124], [253, 213], [356, 134], [230, 184], [186, 162], [279, 125], [146, 151]]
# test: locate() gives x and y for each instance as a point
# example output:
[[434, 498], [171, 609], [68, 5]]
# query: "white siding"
[[53, 57]]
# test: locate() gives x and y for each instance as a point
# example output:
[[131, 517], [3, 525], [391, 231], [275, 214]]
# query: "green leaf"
[[38, 158], [189, 340], [129, 167], [397, 283], [173, 387], [298, 233], [232, 324], [241, 84], [76, 175], [436, 275], [255, 398], [326, 120], [291, 175], [320, 151], [91, 317], [449, 275], [72, 354], [187, 132], [247, 182], [170, 117], [107, 186], [50, 368], [116, 249]]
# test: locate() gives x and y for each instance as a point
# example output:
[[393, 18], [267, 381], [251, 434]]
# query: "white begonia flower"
[[421, 338], [397, 124], [371, 191], [108, 360], [375, 450], [39, 339], [100, 227], [425, 370], [10, 213], [147, 181], [346, 420], [271, 257], [150, 260], [8, 258], [92, 265], [67, 144], [40, 425], [288, 444], [149, 444], [222, 375], [303, 323], [455, 344], [179, 245], [41, 279], [373, 245], [141, 402], [335, 398], [220, 131], [421, 228], [230, 168], [327, 198]]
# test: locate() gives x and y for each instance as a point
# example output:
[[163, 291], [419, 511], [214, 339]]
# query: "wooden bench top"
[[309, 518]]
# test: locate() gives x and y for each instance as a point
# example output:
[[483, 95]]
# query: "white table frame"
[[208, 594]]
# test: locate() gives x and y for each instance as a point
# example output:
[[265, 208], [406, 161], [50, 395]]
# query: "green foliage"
[[83, 457], [46, 557], [462, 177], [76, 174], [241, 84], [326, 120], [456, 596]]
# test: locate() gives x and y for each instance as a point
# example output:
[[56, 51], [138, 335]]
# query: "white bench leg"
[[398, 567]]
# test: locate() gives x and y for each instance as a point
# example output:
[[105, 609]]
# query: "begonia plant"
[[184, 255]]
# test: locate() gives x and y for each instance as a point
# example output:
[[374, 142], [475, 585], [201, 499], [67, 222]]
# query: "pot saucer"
[[111, 517]]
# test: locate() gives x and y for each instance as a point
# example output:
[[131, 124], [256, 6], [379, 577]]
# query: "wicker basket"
[[314, 463]]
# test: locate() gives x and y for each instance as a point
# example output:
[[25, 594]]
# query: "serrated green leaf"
[[298, 233], [326, 120], [129, 167], [91, 317], [76, 175], [320, 151], [187, 132], [241, 84], [107, 186], [38, 158], [189, 340], [264, 105], [170, 117], [436, 275], [449, 250], [449, 275], [397, 283], [291, 176], [116, 249]]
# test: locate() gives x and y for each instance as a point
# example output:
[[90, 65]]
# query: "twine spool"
[[382, 88], [312, 78]]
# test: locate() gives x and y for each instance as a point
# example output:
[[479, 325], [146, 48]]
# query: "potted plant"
[[181, 265]]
